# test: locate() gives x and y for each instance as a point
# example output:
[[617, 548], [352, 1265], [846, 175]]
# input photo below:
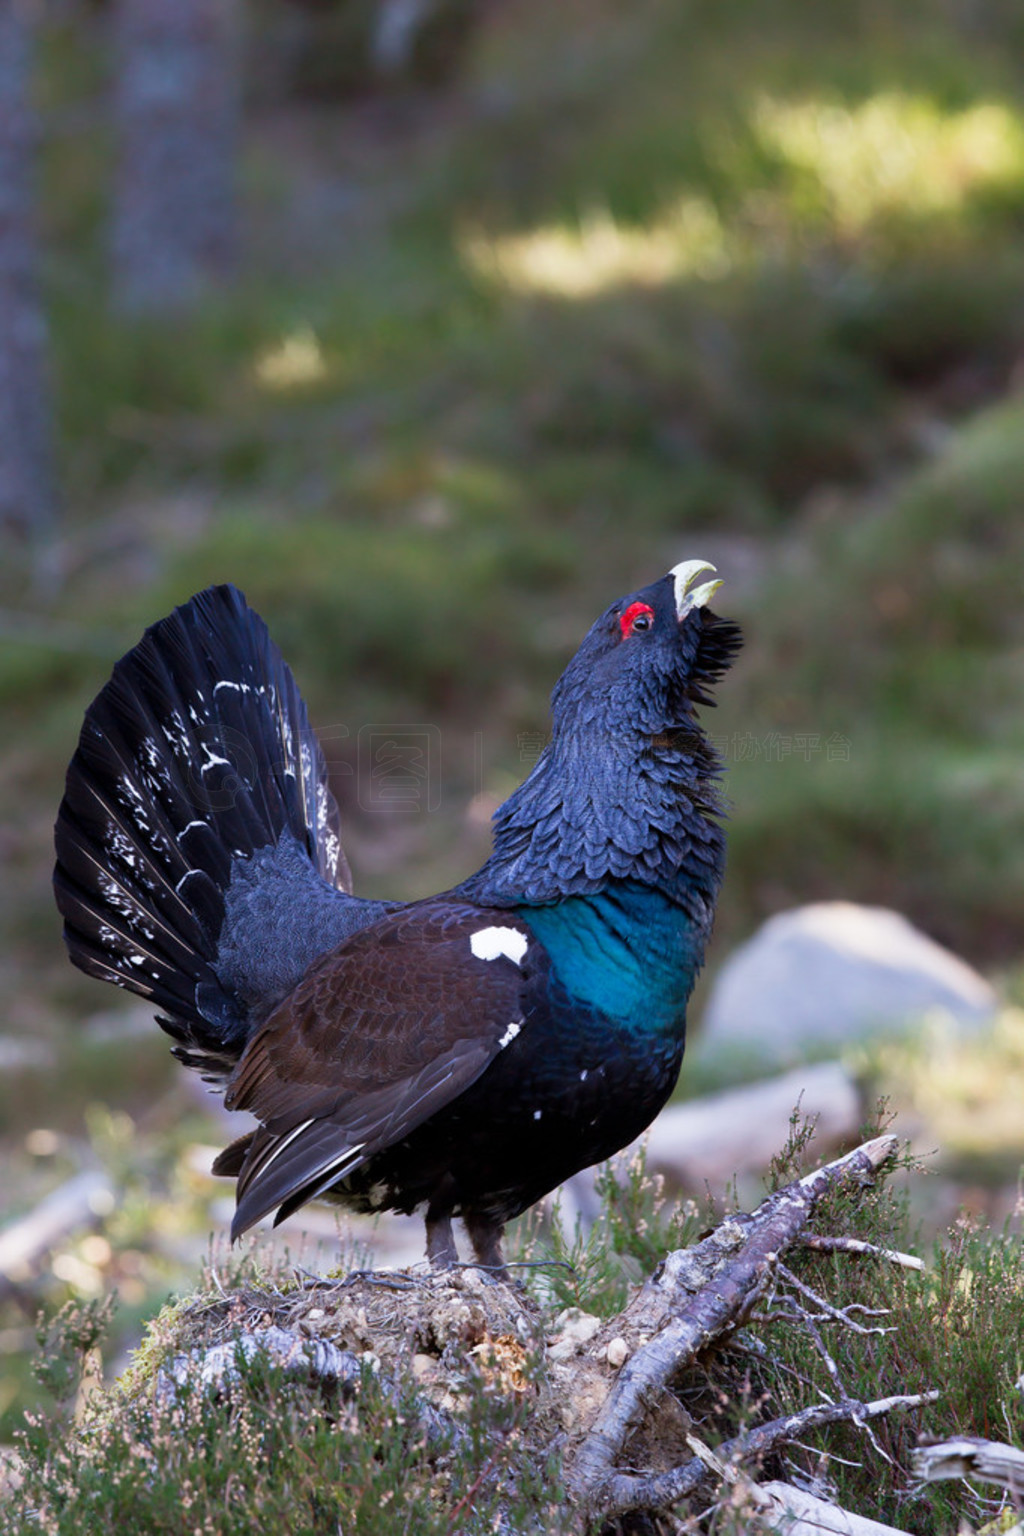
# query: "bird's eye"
[[637, 618]]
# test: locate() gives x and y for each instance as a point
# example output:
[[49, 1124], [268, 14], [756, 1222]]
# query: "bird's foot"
[[485, 1234], [441, 1250]]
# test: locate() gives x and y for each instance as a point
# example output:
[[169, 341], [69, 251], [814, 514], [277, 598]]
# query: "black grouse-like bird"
[[463, 1054]]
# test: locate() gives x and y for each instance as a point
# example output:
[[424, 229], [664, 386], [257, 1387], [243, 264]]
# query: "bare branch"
[[624, 1492], [987, 1460], [80, 1202], [822, 1244], [805, 1515], [694, 1297], [837, 1314]]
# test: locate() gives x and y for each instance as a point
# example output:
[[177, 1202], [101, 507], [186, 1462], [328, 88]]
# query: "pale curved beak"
[[688, 596]]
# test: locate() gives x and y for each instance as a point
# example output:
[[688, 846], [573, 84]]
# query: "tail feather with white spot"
[[196, 768]]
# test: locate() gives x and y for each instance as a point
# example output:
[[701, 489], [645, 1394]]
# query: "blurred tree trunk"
[[27, 495], [178, 103]]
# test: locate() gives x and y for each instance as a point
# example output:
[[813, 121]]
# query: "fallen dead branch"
[[627, 1491], [797, 1513], [315, 1361], [989, 1461], [694, 1297], [80, 1202]]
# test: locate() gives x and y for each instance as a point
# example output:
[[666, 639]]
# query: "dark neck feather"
[[604, 807]]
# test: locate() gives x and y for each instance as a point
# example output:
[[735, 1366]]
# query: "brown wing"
[[377, 1037]]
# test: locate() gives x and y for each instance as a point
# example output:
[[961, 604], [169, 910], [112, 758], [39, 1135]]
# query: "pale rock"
[[617, 1353], [832, 972], [739, 1131], [572, 1329], [424, 1367]]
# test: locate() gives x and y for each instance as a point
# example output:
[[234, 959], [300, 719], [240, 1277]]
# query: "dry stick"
[[625, 1492], [694, 1320], [801, 1514], [826, 1311], [81, 1201], [988, 1460], [822, 1244]]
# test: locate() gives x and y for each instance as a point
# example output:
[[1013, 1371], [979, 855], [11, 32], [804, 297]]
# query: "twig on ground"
[[842, 1315], [806, 1515], [822, 1244], [987, 1460]]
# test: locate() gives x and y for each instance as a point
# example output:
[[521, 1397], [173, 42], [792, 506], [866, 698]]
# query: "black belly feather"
[[517, 1133]]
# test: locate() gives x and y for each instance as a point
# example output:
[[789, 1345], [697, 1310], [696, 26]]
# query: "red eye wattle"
[[637, 618]]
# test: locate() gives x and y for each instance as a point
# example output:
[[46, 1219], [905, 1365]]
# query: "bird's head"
[[649, 658], [625, 788]]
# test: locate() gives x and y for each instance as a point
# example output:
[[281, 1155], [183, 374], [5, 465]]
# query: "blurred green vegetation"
[[649, 281]]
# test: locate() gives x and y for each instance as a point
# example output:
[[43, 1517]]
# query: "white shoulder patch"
[[489, 943], [510, 1033]]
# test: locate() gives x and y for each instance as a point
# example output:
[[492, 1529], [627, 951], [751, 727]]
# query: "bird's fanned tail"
[[196, 755]]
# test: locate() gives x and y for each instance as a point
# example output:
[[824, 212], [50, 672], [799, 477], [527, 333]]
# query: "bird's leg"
[[485, 1234], [441, 1250]]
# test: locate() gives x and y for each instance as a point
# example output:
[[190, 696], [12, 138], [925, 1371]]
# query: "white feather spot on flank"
[[489, 943], [537, 1114], [510, 1034], [584, 1075]]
